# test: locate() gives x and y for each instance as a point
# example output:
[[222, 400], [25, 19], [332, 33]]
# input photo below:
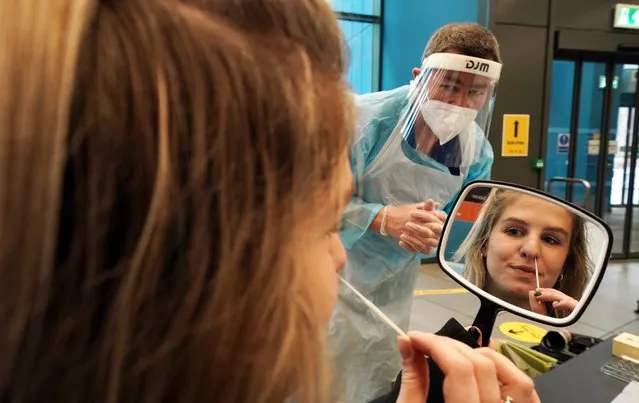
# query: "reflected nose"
[[530, 248]]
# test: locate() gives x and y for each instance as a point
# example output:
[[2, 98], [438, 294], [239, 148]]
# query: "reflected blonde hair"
[[156, 164], [577, 268]]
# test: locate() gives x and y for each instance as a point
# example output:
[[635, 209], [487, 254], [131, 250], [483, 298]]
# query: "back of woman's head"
[[156, 167], [308, 23]]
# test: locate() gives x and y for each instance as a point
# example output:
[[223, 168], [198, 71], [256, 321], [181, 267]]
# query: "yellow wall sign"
[[523, 332], [515, 136]]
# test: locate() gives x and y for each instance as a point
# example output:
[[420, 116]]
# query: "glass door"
[[560, 131], [591, 107], [574, 132], [624, 197], [592, 138], [617, 139]]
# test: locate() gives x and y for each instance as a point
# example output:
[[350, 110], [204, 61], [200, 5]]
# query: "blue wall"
[[408, 24]]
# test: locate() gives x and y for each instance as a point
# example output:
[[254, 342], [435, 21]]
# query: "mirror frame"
[[601, 263]]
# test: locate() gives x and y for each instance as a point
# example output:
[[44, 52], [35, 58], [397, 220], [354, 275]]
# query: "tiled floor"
[[610, 312]]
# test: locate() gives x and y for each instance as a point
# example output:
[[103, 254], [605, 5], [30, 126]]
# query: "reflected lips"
[[526, 271]]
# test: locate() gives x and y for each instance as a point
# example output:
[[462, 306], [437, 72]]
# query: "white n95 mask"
[[446, 120]]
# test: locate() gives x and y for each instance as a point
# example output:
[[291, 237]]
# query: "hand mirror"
[[524, 251]]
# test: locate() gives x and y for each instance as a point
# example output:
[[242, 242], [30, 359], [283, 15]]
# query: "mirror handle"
[[485, 319]]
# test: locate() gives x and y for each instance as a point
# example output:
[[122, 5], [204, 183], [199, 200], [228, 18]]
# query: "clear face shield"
[[450, 109]]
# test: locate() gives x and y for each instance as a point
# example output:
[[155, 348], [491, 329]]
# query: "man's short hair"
[[466, 38]]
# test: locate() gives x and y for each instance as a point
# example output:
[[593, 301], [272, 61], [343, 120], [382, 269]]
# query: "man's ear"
[[416, 72]]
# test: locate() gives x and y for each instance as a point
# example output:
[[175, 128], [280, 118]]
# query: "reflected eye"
[[514, 232], [551, 240]]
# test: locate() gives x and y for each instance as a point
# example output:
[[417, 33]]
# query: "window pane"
[[363, 45], [366, 7]]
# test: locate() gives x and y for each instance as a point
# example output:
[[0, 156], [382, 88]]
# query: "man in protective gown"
[[416, 147]]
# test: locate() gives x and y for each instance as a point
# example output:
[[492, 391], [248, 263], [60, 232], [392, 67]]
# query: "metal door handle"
[[583, 182]]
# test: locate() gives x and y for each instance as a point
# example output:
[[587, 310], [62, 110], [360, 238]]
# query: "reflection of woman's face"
[[527, 228]]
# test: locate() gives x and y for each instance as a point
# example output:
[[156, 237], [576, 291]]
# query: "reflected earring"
[[559, 282]]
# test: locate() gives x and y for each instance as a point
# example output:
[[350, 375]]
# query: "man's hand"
[[398, 216], [423, 228]]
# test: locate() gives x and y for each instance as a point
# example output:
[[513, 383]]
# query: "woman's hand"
[[560, 301], [421, 232], [477, 335], [471, 375]]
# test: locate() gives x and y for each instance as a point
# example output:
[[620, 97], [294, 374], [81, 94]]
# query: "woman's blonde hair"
[[577, 268], [156, 164]]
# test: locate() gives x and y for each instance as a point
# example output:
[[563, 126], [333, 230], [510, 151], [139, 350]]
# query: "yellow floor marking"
[[439, 292]]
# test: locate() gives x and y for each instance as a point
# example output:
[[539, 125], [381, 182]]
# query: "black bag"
[[563, 345], [452, 329]]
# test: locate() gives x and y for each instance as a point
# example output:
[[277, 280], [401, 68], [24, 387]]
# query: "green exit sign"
[[626, 16]]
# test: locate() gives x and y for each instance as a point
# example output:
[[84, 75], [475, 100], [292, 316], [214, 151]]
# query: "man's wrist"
[[376, 224], [382, 228]]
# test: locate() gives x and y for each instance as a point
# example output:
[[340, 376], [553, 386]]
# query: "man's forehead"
[[464, 77]]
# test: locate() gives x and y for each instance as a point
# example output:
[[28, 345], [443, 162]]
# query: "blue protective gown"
[[387, 171]]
